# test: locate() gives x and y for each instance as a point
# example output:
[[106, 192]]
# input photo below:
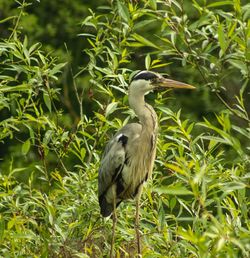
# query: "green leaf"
[[47, 100], [237, 5], [175, 168], [232, 30], [111, 108], [123, 11], [148, 61], [142, 24], [87, 135], [242, 66], [2, 228], [32, 134], [153, 4], [242, 131], [57, 68], [25, 50], [100, 117], [8, 18], [221, 38], [143, 41], [232, 186], [83, 153], [220, 3], [173, 190], [23, 87], [172, 203], [34, 47], [47, 137], [26, 147]]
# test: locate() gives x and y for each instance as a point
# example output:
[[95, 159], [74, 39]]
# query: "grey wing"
[[114, 158]]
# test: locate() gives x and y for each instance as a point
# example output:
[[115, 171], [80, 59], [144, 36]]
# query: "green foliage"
[[207, 194], [197, 203]]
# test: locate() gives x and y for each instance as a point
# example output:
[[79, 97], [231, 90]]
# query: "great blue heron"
[[129, 156]]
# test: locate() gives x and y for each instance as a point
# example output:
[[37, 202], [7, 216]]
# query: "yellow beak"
[[167, 83]]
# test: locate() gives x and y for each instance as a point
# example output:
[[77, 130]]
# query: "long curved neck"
[[144, 111]]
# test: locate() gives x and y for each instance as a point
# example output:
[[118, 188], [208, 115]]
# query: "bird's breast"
[[139, 166]]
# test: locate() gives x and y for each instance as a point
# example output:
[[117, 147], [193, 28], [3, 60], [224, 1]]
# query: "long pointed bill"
[[167, 83]]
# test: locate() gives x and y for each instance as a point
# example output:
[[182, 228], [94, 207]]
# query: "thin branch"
[[79, 98], [18, 20]]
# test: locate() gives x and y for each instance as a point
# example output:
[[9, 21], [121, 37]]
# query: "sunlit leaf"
[[147, 62], [173, 190], [222, 38], [123, 11], [144, 41], [57, 68], [111, 108]]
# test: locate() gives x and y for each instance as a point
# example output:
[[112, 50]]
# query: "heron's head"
[[145, 81]]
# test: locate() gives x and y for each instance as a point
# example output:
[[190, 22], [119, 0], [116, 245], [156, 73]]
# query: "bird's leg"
[[137, 221], [113, 230], [113, 233]]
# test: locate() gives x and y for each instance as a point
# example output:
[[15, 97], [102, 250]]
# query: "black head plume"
[[145, 75]]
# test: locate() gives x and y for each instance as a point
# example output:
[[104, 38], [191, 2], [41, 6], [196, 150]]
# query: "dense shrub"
[[197, 203]]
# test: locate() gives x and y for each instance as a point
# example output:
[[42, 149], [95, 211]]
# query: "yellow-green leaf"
[[123, 11], [144, 41], [26, 147], [221, 38], [111, 108], [220, 3], [173, 190], [47, 100], [148, 61]]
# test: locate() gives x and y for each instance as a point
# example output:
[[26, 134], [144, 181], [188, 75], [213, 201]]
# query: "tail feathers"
[[106, 208]]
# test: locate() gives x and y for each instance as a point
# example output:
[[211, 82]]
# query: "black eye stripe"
[[145, 75]]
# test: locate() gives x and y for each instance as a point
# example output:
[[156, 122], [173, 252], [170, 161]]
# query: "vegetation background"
[[64, 72]]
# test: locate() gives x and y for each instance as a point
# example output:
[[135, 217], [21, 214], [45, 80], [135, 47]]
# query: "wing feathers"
[[123, 139], [110, 174], [114, 163]]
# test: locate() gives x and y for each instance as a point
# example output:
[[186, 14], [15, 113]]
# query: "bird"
[[128, 158]]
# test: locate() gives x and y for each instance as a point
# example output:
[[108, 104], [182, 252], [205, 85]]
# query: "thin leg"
[[113, 230], [113, 233], [137, 221]]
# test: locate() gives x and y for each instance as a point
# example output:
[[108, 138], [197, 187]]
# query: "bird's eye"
[[154, 80]]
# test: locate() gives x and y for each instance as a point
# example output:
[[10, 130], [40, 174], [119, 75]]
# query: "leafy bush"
[[197, 203]]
